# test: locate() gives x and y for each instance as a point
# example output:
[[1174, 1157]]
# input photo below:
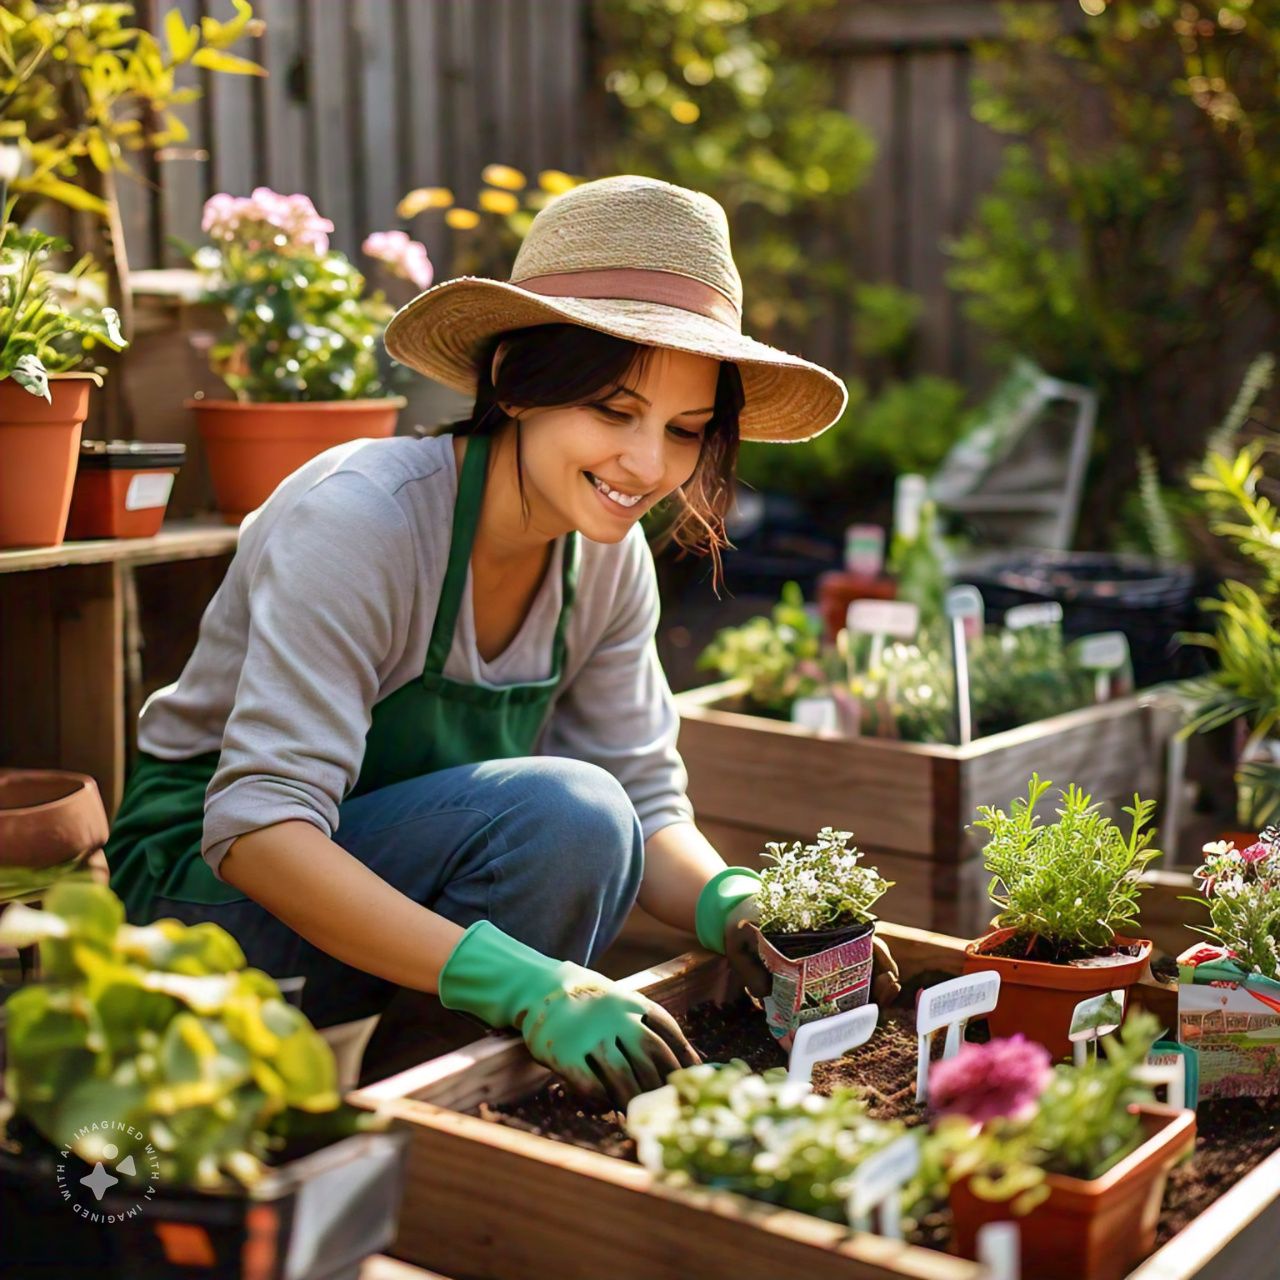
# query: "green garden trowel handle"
[[605, 1041]]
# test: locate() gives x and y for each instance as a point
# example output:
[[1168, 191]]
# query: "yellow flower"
[[462, 219], [684, 111], [556, 181], [424, 198], [503, 175], [498, 201]]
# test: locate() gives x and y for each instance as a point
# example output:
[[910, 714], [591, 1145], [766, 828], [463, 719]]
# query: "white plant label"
[[878, 1181], [1104, 654], [998, 1250], [829, 1038], [950, 1004], [1092, 1019], [818, 713], [965, 602], [897, 618], [1168, 1069], [1021, 616], [148, 490]]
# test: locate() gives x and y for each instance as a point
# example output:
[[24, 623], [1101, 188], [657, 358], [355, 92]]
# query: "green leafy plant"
[[1069, 886], [1081, 1124], [779, 657], [300, 326], [824, 885], [44, 327], [759, 1135], [1241, 888], [161, 1027]]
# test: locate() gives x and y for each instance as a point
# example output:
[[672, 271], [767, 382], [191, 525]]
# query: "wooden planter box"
[[908, 804], [487, 1202]]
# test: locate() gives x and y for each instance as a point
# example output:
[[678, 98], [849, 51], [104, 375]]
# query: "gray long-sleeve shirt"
[[328, 607]]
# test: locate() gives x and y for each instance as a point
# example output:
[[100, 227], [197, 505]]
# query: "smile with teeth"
[[622, 499]]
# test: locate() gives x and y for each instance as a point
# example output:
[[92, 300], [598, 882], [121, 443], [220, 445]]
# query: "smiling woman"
[[424, 739]]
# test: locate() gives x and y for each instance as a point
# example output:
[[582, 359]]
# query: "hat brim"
[[441, 331]]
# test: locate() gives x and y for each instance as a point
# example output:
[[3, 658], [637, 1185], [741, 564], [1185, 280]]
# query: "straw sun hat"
[[640, 259]]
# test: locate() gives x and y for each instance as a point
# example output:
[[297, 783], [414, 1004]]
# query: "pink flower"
[[406, 258], [1255, 852], [267, 218], [986, 1081]]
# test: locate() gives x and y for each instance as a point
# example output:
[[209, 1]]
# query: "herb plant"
[[1241, 888], [1065, 887], [43, 328], [760, 1135], [164, 1028], [817, 886], [1080, 1125]]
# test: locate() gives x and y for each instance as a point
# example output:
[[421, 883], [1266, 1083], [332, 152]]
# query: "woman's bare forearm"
[[337, 904], [678, 862]]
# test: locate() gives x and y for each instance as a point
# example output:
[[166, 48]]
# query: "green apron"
[[429, 724]]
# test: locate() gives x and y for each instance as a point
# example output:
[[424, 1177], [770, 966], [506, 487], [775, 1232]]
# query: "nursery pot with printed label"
[[1038, 998], [815, 973], [1095, 1229], [122, 488]]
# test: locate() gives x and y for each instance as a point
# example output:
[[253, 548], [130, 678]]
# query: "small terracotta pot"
[[39, 441], [1088, 1230], [48, 816], [1038, 999], [122, 488], [251, 447]]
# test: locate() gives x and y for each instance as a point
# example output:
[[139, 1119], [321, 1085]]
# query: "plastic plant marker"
[[1020, 616], [829, 1038], [1092, 1019], [998, 1250], [818, 713], [877, 1183], [950, 1004], [864, 549], [882, 619], [963, 607], [1178, 1066], [1106, 655]]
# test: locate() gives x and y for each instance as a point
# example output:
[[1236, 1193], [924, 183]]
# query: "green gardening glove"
[[607, 1042]]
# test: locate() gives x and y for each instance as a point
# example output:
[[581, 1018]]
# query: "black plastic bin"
[[1149, 600]]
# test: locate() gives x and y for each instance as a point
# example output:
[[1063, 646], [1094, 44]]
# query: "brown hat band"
[[639, 285]]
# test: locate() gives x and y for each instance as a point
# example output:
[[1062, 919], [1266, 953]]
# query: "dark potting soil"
[[1020, 948], [1233, 1136]]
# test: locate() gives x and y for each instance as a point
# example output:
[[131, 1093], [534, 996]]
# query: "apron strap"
[[466, 518], [569, 588]]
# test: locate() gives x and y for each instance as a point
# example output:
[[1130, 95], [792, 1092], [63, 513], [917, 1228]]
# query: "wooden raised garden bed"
[[488, 1201], [752, 779]]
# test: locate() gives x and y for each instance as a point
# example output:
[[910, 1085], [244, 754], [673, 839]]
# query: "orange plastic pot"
[[39, 440], [122, 488], [1038, 999], [1098, 1229], [251, 448], [48, 816]]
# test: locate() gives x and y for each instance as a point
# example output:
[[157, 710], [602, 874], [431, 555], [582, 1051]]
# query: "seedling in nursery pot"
[[816, 929], [1065, 890], [950, 1004]]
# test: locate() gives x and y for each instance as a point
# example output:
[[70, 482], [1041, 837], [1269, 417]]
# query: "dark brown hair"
[[551, 365]]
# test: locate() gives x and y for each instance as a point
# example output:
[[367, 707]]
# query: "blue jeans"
[[549, 849]]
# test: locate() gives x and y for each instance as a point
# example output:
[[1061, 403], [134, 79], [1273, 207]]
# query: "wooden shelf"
[[179, 540]]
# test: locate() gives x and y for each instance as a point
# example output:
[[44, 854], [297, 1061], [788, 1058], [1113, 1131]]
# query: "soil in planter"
[[1044, 952]]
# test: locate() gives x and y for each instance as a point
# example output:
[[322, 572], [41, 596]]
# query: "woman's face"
[[599, 467]]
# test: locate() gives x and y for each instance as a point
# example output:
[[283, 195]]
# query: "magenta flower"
[[1255, 852], [987, 1081], [406, 258]]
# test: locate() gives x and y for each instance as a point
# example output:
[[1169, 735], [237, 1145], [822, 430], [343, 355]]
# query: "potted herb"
[[1078, 1156], [816, 929], [166, 1100], [46, 334], [1064, 890], [302, 351], [1229, 988]]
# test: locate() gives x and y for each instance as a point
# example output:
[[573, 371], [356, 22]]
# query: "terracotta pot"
[[1038, 999], [1088, 1230], [48, 816], [251, 448], [39, 441], [122, 488]]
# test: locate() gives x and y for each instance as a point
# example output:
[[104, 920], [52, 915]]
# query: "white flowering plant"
[[1241, 888], [823, 885]]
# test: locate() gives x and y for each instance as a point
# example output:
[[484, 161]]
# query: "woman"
[[424, 739]]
